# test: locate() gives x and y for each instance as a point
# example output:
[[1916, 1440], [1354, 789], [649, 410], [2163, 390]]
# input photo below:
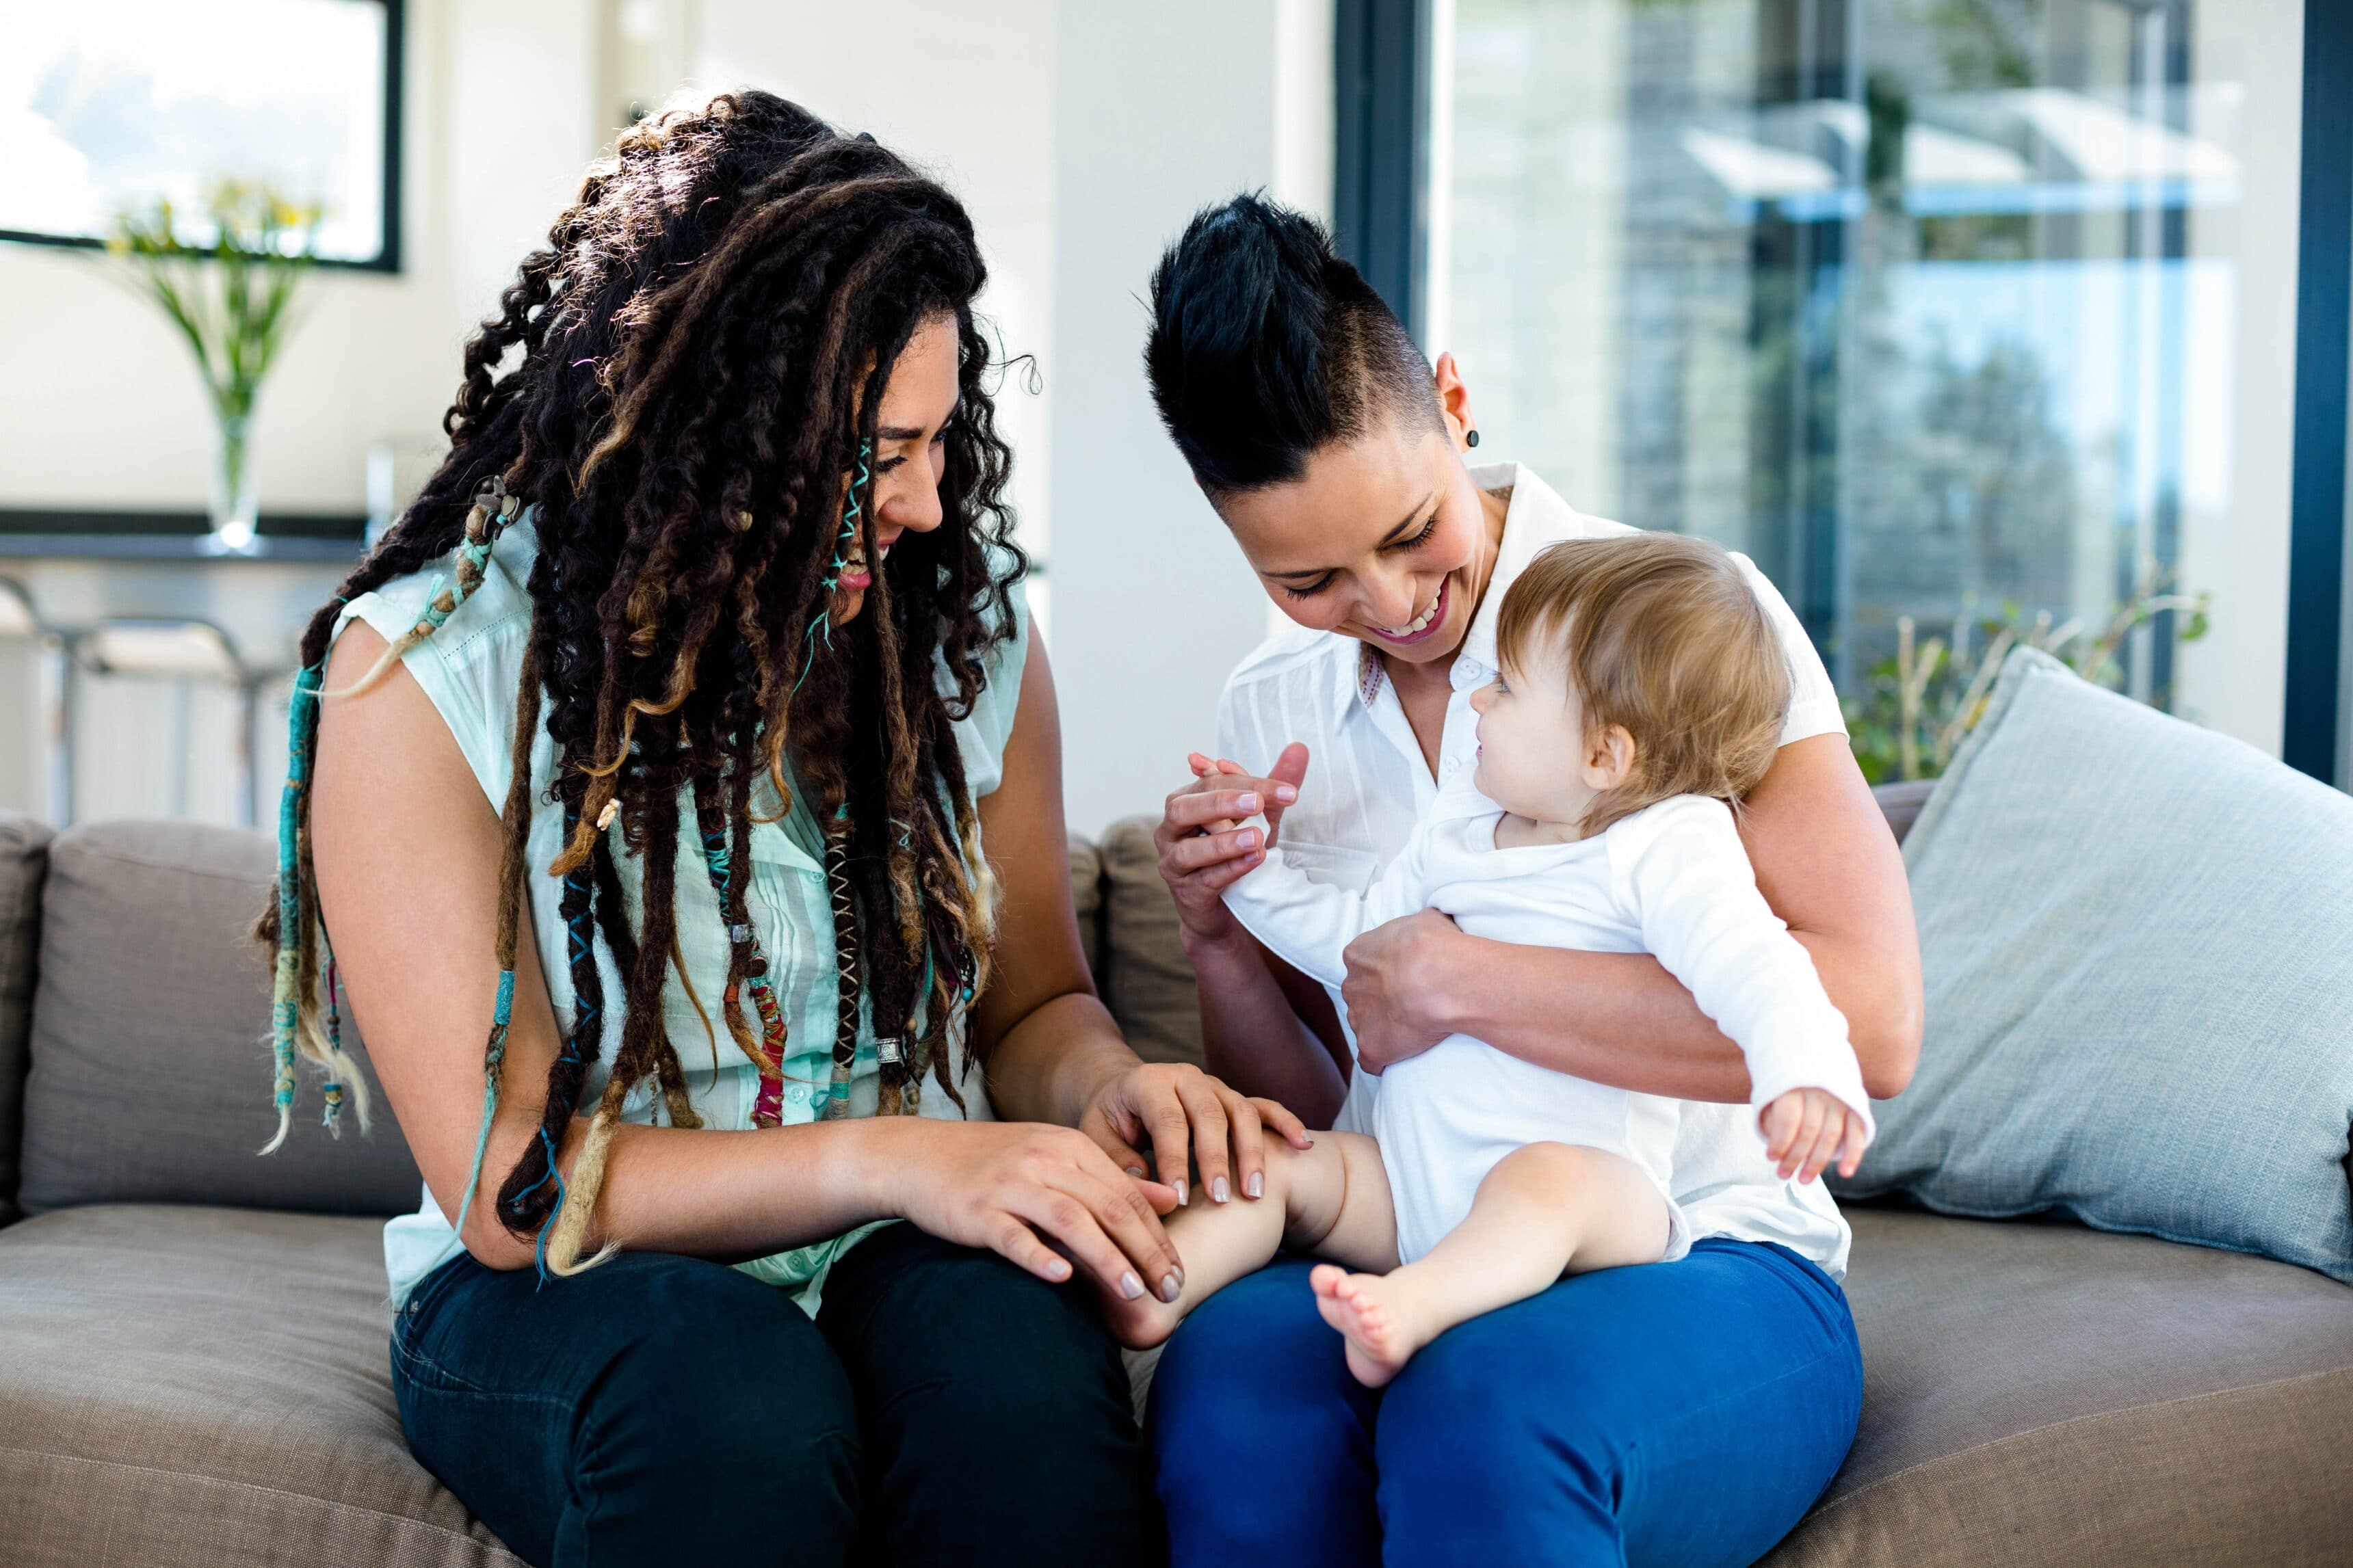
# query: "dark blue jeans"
[[944, 1407], [1684, 1415]]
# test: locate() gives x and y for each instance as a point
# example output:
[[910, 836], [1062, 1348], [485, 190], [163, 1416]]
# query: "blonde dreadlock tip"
[[579, 1202], [605, 817], [285, 1125]]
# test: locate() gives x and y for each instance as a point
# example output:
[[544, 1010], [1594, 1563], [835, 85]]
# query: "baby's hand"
[[1806, 1129]]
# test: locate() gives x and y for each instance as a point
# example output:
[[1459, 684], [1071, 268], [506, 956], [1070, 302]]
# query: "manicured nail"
[[1256, 1186], [1218, 1192], [1249, 840], [1136, 1171], [1170, 1286], [1183, 1195], [1286, 793], [1129, 1285], [1248, 805]]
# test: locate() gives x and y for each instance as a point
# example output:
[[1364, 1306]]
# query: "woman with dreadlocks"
[[641, 778]]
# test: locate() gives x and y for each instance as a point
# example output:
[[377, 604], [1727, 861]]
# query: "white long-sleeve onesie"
[[1672, 880]]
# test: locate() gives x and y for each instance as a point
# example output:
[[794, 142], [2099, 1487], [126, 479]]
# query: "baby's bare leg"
[[1543, 1211], [1332, 1197]]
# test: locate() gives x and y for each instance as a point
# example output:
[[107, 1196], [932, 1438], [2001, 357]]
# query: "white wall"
[[1160, 112]]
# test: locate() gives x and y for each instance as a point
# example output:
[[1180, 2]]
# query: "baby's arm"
[[1684, 869]]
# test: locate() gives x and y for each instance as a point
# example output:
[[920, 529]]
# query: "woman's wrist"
[[881, 1158], [1231, 944]]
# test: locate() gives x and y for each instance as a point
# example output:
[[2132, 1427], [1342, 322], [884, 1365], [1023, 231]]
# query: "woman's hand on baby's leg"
[[1807, 1129]]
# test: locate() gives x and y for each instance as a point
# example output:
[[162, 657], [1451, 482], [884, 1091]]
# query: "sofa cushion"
[[206, 1386], [1147, 981], [2139, 978], [1086, 900], [24, 862], [2041, 1394], [151, 1038]]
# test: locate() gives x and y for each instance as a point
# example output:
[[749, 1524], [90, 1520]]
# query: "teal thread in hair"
[[851, 512], [285, 1002], [501, 1011]]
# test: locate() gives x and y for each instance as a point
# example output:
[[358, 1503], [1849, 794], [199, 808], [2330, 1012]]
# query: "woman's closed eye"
[[939, 439], [1309, 590], [1419, 539]]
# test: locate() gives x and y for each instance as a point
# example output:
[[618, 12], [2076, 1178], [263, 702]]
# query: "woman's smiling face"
[[1383, 538], [919, 401]]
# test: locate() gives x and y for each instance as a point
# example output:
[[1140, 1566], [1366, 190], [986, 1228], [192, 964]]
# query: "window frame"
[[387, 258], [2313, 736]]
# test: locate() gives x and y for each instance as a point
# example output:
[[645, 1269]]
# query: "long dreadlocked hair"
[[705, 343]]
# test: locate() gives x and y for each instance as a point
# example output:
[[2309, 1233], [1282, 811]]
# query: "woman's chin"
[[846, 603]]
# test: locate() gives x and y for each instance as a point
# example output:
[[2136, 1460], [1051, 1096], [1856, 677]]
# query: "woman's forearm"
[[1631, 1025], [1252, 1038], [1052, 1065], [725, 1196]]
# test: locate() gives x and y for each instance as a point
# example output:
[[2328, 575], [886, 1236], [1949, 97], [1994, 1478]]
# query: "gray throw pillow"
[[2137, 937]]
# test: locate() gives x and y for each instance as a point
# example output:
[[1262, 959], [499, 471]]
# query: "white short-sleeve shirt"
[[1368, 784]]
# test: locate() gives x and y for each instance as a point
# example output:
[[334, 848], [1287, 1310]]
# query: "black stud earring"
[[1471, 438]]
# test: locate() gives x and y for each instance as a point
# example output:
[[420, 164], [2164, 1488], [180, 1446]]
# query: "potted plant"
[[232, 300]]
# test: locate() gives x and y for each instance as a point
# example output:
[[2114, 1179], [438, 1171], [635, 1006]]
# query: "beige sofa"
[[193, 1340]]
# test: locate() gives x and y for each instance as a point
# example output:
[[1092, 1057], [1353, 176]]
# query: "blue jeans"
[[1680, 1414], [944, 1407]]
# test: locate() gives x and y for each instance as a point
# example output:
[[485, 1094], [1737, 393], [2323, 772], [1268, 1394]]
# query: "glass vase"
[[236, 500]]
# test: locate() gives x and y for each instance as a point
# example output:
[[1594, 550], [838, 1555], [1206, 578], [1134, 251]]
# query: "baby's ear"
[[1610, 760]]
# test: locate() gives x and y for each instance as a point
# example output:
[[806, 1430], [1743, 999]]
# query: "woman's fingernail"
[[1183, 1195], [1136, 1171], [1286, 794], [1129, 1285], [1218, 1192], [1256, 1184], [1247, 804], [1249, 839], [1169, 1287]]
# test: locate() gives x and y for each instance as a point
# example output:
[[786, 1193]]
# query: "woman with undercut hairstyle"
[[1683, 1413], [675, 803]]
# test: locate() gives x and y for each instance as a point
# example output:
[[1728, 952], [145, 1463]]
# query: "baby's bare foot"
[[1374, 1317], [1138, 1323]]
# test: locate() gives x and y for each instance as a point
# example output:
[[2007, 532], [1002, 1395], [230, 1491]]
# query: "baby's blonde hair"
[[1660, 634]]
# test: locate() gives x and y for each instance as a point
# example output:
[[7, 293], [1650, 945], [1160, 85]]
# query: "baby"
[[1643, 692]]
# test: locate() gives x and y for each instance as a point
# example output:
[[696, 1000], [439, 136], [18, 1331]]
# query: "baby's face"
[[1533, 758]]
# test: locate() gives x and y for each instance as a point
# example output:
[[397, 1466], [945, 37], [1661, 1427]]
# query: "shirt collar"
[[1534, 517]]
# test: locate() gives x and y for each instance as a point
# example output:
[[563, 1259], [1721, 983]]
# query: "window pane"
[[1947, 311], [106, 105]]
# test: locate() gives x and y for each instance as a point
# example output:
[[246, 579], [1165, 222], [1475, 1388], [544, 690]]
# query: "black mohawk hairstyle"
[[1267, 346]]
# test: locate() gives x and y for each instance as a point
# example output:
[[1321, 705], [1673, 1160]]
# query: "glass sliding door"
[[1972, 320]]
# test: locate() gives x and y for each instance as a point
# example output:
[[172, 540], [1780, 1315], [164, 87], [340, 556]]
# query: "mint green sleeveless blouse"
[[470, 670]]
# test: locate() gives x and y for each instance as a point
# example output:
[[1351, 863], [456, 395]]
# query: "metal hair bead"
[[888, 1050]]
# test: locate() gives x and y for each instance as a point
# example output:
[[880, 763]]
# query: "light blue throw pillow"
[[2137, 937]]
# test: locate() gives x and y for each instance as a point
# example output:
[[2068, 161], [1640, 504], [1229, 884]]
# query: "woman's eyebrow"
[[1412, 519], [899, 433]]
